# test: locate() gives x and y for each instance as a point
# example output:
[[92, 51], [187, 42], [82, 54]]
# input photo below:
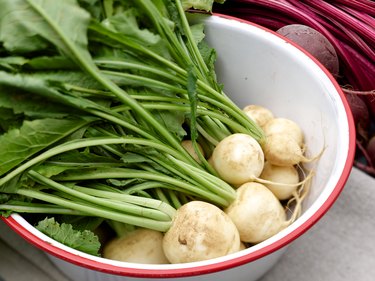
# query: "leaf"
[[16, 63], [17, 102], [209, 57], [28, 25], [173, 121], [81, 222], [198, 4], [9, 120], [127, 23], [19, 144], [4, 198], [124, 183], [76, 78], [17, 182], [134, 158], [85, 241], [12, 63], [49, 170], [92, 6], [198, 32], [52, 62], [46, 89]]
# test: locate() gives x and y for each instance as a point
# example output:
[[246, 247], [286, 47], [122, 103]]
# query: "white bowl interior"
[[257, 67], [264, 69]]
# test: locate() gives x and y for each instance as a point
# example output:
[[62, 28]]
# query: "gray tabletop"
[[341, 246]]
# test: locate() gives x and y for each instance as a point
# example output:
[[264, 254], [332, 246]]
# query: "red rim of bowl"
[[221, 265]]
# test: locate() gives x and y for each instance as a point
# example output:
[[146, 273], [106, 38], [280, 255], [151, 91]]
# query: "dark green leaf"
[[19, 144], [49, 63], [94, 7], [50, 90], [199, 4], [81, 223], [14, 102], [28, 25], [85, 241], [127, 24], [173, 121], [209, 57]]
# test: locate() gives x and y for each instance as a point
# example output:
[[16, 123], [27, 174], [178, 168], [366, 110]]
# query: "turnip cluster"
[[270, 189]]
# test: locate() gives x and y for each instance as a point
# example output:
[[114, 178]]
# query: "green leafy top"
[[95, 99], [85, 241]]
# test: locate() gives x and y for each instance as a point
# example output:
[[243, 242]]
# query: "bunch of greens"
[[95, 99]]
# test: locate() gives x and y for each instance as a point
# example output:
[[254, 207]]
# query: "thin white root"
[[298, 197], [259, 180]]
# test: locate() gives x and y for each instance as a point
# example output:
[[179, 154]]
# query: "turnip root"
[[284, 126], [140, 246], [284, 180], [188, 145], [258, 114], [283, 150], [256, 212], [238, 158], [200, 231]]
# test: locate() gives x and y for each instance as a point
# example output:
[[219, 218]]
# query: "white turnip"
[[139, 246], [200, 231], [258, 114], [256, 212], [283, 150], [284, 126], [238, 158], [283, 180]]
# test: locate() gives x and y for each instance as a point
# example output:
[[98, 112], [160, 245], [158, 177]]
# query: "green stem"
[[96, 211], [145, 81], [175, 47], [82, 143], [152, 185], [197, 177], [92, 92], [125, 173], [194, 51], [119, 205], [40, 209], [174, 199], [213, 183], [136, 200], [200, 111], [253, 129], [140, 67]]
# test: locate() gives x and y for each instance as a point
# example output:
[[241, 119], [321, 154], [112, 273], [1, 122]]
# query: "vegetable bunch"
[[96, 97], [350, 27]]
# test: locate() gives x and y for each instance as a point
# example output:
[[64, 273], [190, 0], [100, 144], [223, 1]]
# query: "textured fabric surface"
[[340, 247]]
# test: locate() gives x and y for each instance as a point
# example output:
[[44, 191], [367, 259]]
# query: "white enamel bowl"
[[256, 66]]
